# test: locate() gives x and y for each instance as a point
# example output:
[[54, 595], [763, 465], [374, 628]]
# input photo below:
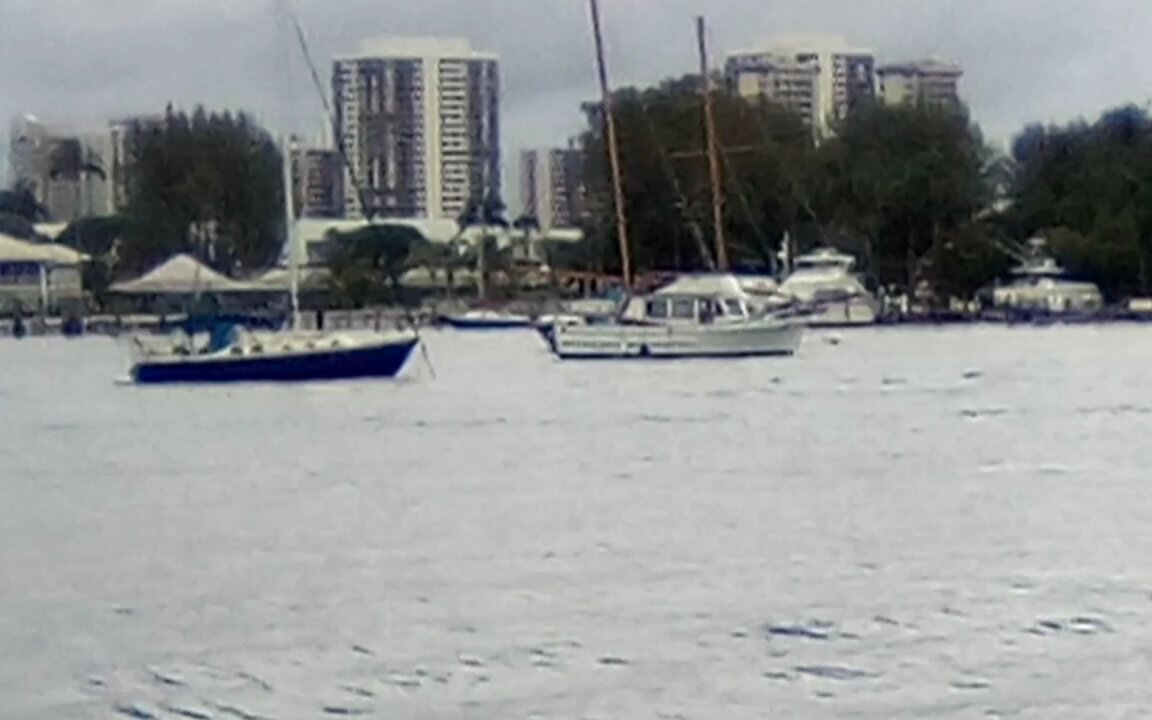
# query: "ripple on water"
[[164, 678], [971, 684], [839, 673], [1078, 625], [347, 710], [136, 710], [194, 713], [821, 630]]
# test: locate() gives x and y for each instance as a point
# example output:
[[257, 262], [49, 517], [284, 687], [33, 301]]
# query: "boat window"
[[733, 307], [684, 308], [657, 308], [708, 310]]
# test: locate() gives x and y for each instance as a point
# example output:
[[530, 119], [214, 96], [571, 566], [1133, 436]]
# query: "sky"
[[82, 61]]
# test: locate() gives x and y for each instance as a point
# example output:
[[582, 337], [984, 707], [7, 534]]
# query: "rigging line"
[[677, 187], [329, 111], [734, 180], [794, 185], [736, 184], [725, 156]]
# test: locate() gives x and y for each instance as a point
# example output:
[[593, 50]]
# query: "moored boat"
[[487, 320], [706, 316], [823, 281], [277, 357]]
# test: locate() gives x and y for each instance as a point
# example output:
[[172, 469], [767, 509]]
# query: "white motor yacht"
[[694, 316], [1040, 284], [824, 280]]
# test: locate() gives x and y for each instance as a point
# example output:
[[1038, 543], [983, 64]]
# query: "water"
[[944, 524]]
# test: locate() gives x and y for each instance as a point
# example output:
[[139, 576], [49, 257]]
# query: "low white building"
[[34, 275], [312, 233]]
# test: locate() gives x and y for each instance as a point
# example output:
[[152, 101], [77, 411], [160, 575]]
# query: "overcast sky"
[[83, 60]]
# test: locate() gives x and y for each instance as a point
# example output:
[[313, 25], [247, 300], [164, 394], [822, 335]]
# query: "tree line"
[[913, 190]]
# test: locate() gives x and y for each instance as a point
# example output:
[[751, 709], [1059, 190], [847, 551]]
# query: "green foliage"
[[908, 180], [94, 235], [17, 226], [666, 183], [367, 264], [208, 184], [20, 201], [902, 187], [1090, 188]]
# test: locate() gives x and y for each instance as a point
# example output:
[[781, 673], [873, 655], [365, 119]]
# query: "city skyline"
[[548, 72]]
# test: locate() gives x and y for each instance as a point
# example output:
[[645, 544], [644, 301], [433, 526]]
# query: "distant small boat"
[[487, 320], [278, 357]]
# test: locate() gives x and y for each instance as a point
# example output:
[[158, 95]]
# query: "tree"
[[908, 180], [209, 185], [19, 210], [1089, 187], [367, 264], [485, 211], [766, 158], [526, 227]]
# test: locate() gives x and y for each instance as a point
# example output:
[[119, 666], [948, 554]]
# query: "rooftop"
[[789, 44], [395, 47], [920, 67]]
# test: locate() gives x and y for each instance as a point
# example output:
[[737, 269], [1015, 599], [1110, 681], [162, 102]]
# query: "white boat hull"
[[857, 311], [622, 341]]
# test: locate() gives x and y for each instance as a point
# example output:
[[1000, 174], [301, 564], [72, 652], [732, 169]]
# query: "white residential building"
[[419, 119], [927, 81], [785, 81], [552, 186], [844, 74], [35, 152], [317, 180]]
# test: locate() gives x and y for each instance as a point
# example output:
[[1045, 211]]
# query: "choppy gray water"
[[944, 524]]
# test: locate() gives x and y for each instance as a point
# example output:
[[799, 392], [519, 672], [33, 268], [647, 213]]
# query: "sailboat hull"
[[383, 359]]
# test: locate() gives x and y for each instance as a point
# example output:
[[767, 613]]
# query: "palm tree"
[[527, 226], [21, 202], [73, 161]]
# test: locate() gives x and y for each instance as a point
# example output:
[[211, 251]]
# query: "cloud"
[[82, 61]]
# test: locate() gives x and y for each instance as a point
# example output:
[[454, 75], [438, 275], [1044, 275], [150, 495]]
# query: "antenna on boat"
[[287, 152], [613, 148], [713, 154]]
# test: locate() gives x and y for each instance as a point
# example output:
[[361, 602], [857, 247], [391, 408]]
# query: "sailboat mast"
[[713, 151], [290, 232], [613, 148]]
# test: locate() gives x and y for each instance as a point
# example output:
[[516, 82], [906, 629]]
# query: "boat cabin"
[[670, 308], [1039, 283], [824, 258]]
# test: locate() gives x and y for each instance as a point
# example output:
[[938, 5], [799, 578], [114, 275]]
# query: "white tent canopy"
[[180, 275], [15, 250]]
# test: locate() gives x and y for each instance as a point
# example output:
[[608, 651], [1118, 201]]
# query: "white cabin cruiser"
[[824, 280], [1041, 285], [694, 316]]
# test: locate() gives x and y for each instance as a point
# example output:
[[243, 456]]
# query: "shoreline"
[[381, 318]]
